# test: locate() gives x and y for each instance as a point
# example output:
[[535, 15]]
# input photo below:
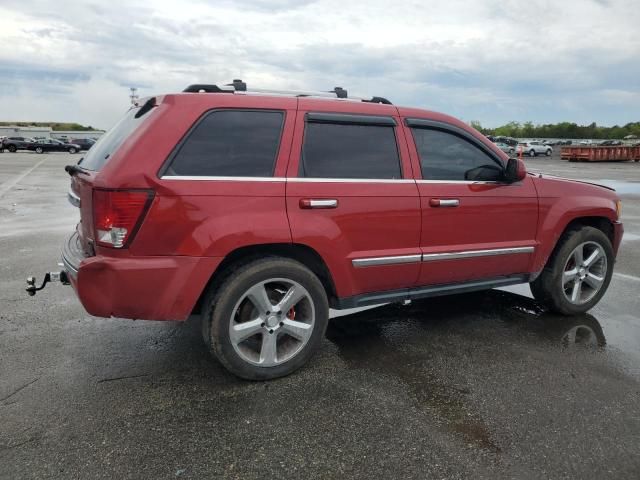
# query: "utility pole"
[[133, 95]]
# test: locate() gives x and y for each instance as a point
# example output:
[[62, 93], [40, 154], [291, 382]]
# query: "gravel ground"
[[473, 386]]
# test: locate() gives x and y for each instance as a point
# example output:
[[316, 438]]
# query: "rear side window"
[[98, 156], [230, 143], [445, 156], [333, 150]]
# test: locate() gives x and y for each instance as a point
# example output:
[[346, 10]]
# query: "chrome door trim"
[[392, 260], [434, 257]]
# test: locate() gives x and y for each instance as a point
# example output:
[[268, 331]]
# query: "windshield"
[[110, 142]]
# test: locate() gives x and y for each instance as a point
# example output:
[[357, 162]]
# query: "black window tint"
[[230, 143], [445, 156], [111, 141], [349, 151]]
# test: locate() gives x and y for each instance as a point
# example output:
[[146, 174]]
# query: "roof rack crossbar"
[[239, 86]]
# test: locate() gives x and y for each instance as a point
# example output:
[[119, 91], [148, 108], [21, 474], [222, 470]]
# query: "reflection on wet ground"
[[390, 340]]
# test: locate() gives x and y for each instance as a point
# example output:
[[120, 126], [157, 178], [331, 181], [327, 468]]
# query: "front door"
[[351, 196], [470, 229]]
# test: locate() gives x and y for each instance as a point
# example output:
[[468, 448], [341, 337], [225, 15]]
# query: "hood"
[[572, 180]]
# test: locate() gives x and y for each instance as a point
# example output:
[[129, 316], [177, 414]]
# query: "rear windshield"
[[101, 151]]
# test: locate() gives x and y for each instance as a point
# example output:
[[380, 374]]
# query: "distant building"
[[47, 132]]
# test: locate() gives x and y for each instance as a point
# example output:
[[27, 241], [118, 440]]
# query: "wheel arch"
[[295, 251], [603, 224]]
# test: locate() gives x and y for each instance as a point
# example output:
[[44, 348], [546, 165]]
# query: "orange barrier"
[[600, 154]]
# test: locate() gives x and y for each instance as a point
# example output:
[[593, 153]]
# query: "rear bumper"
[[149, 288]]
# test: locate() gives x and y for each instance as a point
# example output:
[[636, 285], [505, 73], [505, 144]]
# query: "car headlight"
[[619, 208]]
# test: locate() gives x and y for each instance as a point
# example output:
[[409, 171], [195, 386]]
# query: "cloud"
[[490, 60]]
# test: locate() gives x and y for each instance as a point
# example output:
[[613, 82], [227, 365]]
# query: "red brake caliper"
[[292, 314]]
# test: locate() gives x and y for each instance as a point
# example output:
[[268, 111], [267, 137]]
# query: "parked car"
[[259, 212], [83, 143], [53, 145], [13, 144], [533, 148], [610, 143], [505, 148], [512, 142]]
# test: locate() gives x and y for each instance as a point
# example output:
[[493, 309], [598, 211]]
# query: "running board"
[[408, 294]]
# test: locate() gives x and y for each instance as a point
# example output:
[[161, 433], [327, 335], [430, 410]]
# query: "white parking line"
[[6, 186], [626, 277]]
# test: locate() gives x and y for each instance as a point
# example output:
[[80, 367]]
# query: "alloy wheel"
[[584, 273], [272, 322]]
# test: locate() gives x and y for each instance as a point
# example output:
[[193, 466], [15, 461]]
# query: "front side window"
[[230, 143], [335, 150], [445, 156]]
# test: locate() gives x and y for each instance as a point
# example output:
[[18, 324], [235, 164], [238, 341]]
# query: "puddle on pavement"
[[388, 340]]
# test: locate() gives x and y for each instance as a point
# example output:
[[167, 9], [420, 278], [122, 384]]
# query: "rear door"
[[470, 229], [351, 196]]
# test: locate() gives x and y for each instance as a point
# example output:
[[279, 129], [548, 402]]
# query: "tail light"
[[117, 215]]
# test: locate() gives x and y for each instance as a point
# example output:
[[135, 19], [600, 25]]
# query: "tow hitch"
[[60, 276]]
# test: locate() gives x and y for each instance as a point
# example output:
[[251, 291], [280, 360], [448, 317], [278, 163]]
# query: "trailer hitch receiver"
[[60, 276]]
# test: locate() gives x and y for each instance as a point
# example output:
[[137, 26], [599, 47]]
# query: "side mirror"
[[516, 170]]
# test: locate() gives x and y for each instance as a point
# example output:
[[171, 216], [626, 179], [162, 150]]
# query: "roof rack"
[[238, 86]]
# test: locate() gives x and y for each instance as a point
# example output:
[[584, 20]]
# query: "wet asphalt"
[[484, 385]]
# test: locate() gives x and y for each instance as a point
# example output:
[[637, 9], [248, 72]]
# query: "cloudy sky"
[[487, 60]]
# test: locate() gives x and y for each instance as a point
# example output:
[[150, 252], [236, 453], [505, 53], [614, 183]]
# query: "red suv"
[[261, 210]]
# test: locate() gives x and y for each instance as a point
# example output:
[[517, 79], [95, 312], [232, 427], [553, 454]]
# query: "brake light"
[[117, 215]]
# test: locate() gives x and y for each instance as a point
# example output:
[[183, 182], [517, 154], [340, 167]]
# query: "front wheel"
[[12, 148], [73, 150], [548, 152], [267, 319], [532, 153], [39, 150], [578, 274]]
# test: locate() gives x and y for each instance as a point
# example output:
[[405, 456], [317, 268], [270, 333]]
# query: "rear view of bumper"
[[150, 288]]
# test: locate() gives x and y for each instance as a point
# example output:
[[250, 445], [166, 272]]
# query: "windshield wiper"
[[73, 169]]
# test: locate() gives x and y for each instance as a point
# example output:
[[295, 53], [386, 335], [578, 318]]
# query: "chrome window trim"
[[223, 179], [392, 260], [73, 199], [465, 182], [433, 257], [286, 179], [349, 180]]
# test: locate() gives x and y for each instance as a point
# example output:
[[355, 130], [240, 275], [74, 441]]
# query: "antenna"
[[134, 95]]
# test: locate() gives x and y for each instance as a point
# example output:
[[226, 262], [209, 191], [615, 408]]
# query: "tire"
[[39, 150], [556, 285], [532, 153], [549, 153], [240, 300], [72, 150], [511, 151], [12, 148]]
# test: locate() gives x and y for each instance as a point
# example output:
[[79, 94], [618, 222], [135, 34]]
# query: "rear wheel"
[[73, 150], [39, 150], [12, 148], [532, 153], [578, 273], [267, 319]]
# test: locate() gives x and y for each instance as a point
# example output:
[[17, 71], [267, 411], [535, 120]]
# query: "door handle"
[[444, 202], [307, 203]]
